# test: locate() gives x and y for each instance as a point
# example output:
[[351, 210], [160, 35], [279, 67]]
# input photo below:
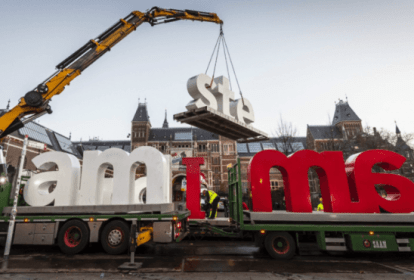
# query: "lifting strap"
[[222, 41]]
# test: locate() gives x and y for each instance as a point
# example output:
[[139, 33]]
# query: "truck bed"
[[325, 217], [94, 209]]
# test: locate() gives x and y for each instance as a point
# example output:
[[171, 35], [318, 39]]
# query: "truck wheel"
[[280, 245], [73, 237], [115, 237]]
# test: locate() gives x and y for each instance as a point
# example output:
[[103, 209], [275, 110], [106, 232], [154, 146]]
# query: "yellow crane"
[[36, 102]]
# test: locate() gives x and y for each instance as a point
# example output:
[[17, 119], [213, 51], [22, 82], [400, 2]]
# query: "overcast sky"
[[292, 58]]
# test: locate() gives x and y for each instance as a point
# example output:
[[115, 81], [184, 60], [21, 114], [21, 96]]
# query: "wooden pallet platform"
[[221, 124]]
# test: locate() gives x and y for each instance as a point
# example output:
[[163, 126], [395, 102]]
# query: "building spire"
[[397, 130], [165, 124], [70, 135], [8, 105]]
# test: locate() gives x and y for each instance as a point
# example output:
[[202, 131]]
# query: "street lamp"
[[3, 168]]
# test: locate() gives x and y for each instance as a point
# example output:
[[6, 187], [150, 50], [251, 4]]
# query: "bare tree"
[[286, 133], [370, 138], [329, 122], [407, 138]]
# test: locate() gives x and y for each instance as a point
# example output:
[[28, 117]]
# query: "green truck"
[[74, 227], [283, 233]]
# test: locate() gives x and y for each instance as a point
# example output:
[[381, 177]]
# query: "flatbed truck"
[[282, 233], [74, 227]]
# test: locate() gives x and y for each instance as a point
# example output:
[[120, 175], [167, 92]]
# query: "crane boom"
[[36, 102]]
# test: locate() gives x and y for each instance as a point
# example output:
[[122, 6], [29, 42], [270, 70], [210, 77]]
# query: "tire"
[[280, 245], [115, 237], [73, 237]]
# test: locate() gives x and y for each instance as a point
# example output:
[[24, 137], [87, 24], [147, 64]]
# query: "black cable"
[[218, 50], [213, 53], [227, 66], [234, 71]]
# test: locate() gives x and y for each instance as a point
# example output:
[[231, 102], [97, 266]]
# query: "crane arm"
[[36, 102]]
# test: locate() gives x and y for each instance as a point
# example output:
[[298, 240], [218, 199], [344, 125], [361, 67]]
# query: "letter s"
[[196, 87]]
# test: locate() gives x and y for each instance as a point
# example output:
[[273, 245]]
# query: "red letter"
[[362, 183], [329, 166], [193, 187]]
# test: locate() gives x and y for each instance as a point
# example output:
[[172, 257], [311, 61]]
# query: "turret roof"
[[344, 112], [141, 115]]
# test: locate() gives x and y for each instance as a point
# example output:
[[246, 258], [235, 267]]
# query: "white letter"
[[223, 94], [242, 113], [158, 175], [93, 175], [196, 87], [140, 187], [94, 187], [66, 178]]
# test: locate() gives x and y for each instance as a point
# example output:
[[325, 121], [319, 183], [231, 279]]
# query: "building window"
[[216, 181], [215, 160], [201, 148], [216, 170], [215, 148], [226, 149]]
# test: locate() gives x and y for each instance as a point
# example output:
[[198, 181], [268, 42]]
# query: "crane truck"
[[73, 227]]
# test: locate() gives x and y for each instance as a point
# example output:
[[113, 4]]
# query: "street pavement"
[[210, 258], [206, 259]]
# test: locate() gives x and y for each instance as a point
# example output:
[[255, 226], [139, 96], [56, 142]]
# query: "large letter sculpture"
[[93, 175], [36, 193], [218, 96], [124, 165], [242, 113], [196, 87], [294, 169], [362, 183], [360, 196], [193, 187]]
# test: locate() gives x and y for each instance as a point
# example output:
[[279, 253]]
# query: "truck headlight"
[[3, 168], [3, 180], [3, 174]]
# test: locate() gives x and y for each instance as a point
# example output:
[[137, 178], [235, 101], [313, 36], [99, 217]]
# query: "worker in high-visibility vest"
[[320, 205], [212, 199]]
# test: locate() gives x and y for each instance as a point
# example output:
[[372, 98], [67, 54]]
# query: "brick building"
[[218, 152], [347, 135], [37, 134], [345, 125]]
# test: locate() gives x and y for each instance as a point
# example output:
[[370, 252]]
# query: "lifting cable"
[[222, 41]]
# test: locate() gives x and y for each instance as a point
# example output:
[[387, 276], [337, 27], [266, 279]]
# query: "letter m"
[[329, 166]]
